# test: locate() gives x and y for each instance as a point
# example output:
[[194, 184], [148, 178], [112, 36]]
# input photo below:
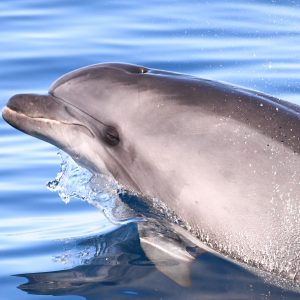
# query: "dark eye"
[[111, 136]]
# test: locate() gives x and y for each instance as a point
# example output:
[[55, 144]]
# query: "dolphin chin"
[[224, 160]]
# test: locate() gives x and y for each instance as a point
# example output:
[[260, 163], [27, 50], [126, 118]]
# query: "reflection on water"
[[117, 268]]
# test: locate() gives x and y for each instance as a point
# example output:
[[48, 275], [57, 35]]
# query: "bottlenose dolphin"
[[224, 161]]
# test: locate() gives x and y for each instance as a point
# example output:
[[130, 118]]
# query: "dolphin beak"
[[30, 105], [39, 115], [35, 107]]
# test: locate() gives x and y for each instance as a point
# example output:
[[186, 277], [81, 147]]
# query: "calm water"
[[70, 251]]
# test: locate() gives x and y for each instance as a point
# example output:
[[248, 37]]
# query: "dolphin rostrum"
[[224, 160]]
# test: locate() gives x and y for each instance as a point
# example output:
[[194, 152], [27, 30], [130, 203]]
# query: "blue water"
[[70, 250]]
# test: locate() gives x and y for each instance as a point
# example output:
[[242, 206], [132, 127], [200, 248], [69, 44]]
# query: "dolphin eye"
[[111, 136]]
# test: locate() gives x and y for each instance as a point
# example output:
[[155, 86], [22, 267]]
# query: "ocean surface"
[[69, 250]]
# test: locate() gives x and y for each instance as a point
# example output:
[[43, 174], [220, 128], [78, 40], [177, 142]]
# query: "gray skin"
[[224, 159]]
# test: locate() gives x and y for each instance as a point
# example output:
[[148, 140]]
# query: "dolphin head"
[[86, 113], [80, 114]]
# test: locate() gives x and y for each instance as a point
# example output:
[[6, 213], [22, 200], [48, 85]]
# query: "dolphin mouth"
[[33, 114], [9, 115]]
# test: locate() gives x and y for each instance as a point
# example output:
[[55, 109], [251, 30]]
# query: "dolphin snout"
[[15, 104], [36, 106], [32, 105], [22, 108], [19, 102], [23, 111]]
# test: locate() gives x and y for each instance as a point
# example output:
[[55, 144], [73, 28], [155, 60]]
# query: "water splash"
[[99, 190]]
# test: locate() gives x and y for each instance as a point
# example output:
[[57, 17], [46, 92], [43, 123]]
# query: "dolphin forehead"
[[105, 89], [109, 91], [112, 71], [98, 90], [99, 77], [98, 71]]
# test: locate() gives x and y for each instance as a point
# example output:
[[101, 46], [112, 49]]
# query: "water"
[[70, 250]]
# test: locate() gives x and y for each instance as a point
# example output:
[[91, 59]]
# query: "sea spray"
[[99, 190]]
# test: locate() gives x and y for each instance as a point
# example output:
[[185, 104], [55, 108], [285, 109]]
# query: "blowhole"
[[143, 70], [136, 69]]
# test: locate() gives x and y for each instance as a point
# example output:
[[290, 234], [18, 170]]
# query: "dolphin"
[[222, 161]]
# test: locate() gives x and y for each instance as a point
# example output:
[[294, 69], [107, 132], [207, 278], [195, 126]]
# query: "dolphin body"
[[222, 159]]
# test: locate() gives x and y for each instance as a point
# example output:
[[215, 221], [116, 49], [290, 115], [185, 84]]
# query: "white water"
[[98, 190]]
